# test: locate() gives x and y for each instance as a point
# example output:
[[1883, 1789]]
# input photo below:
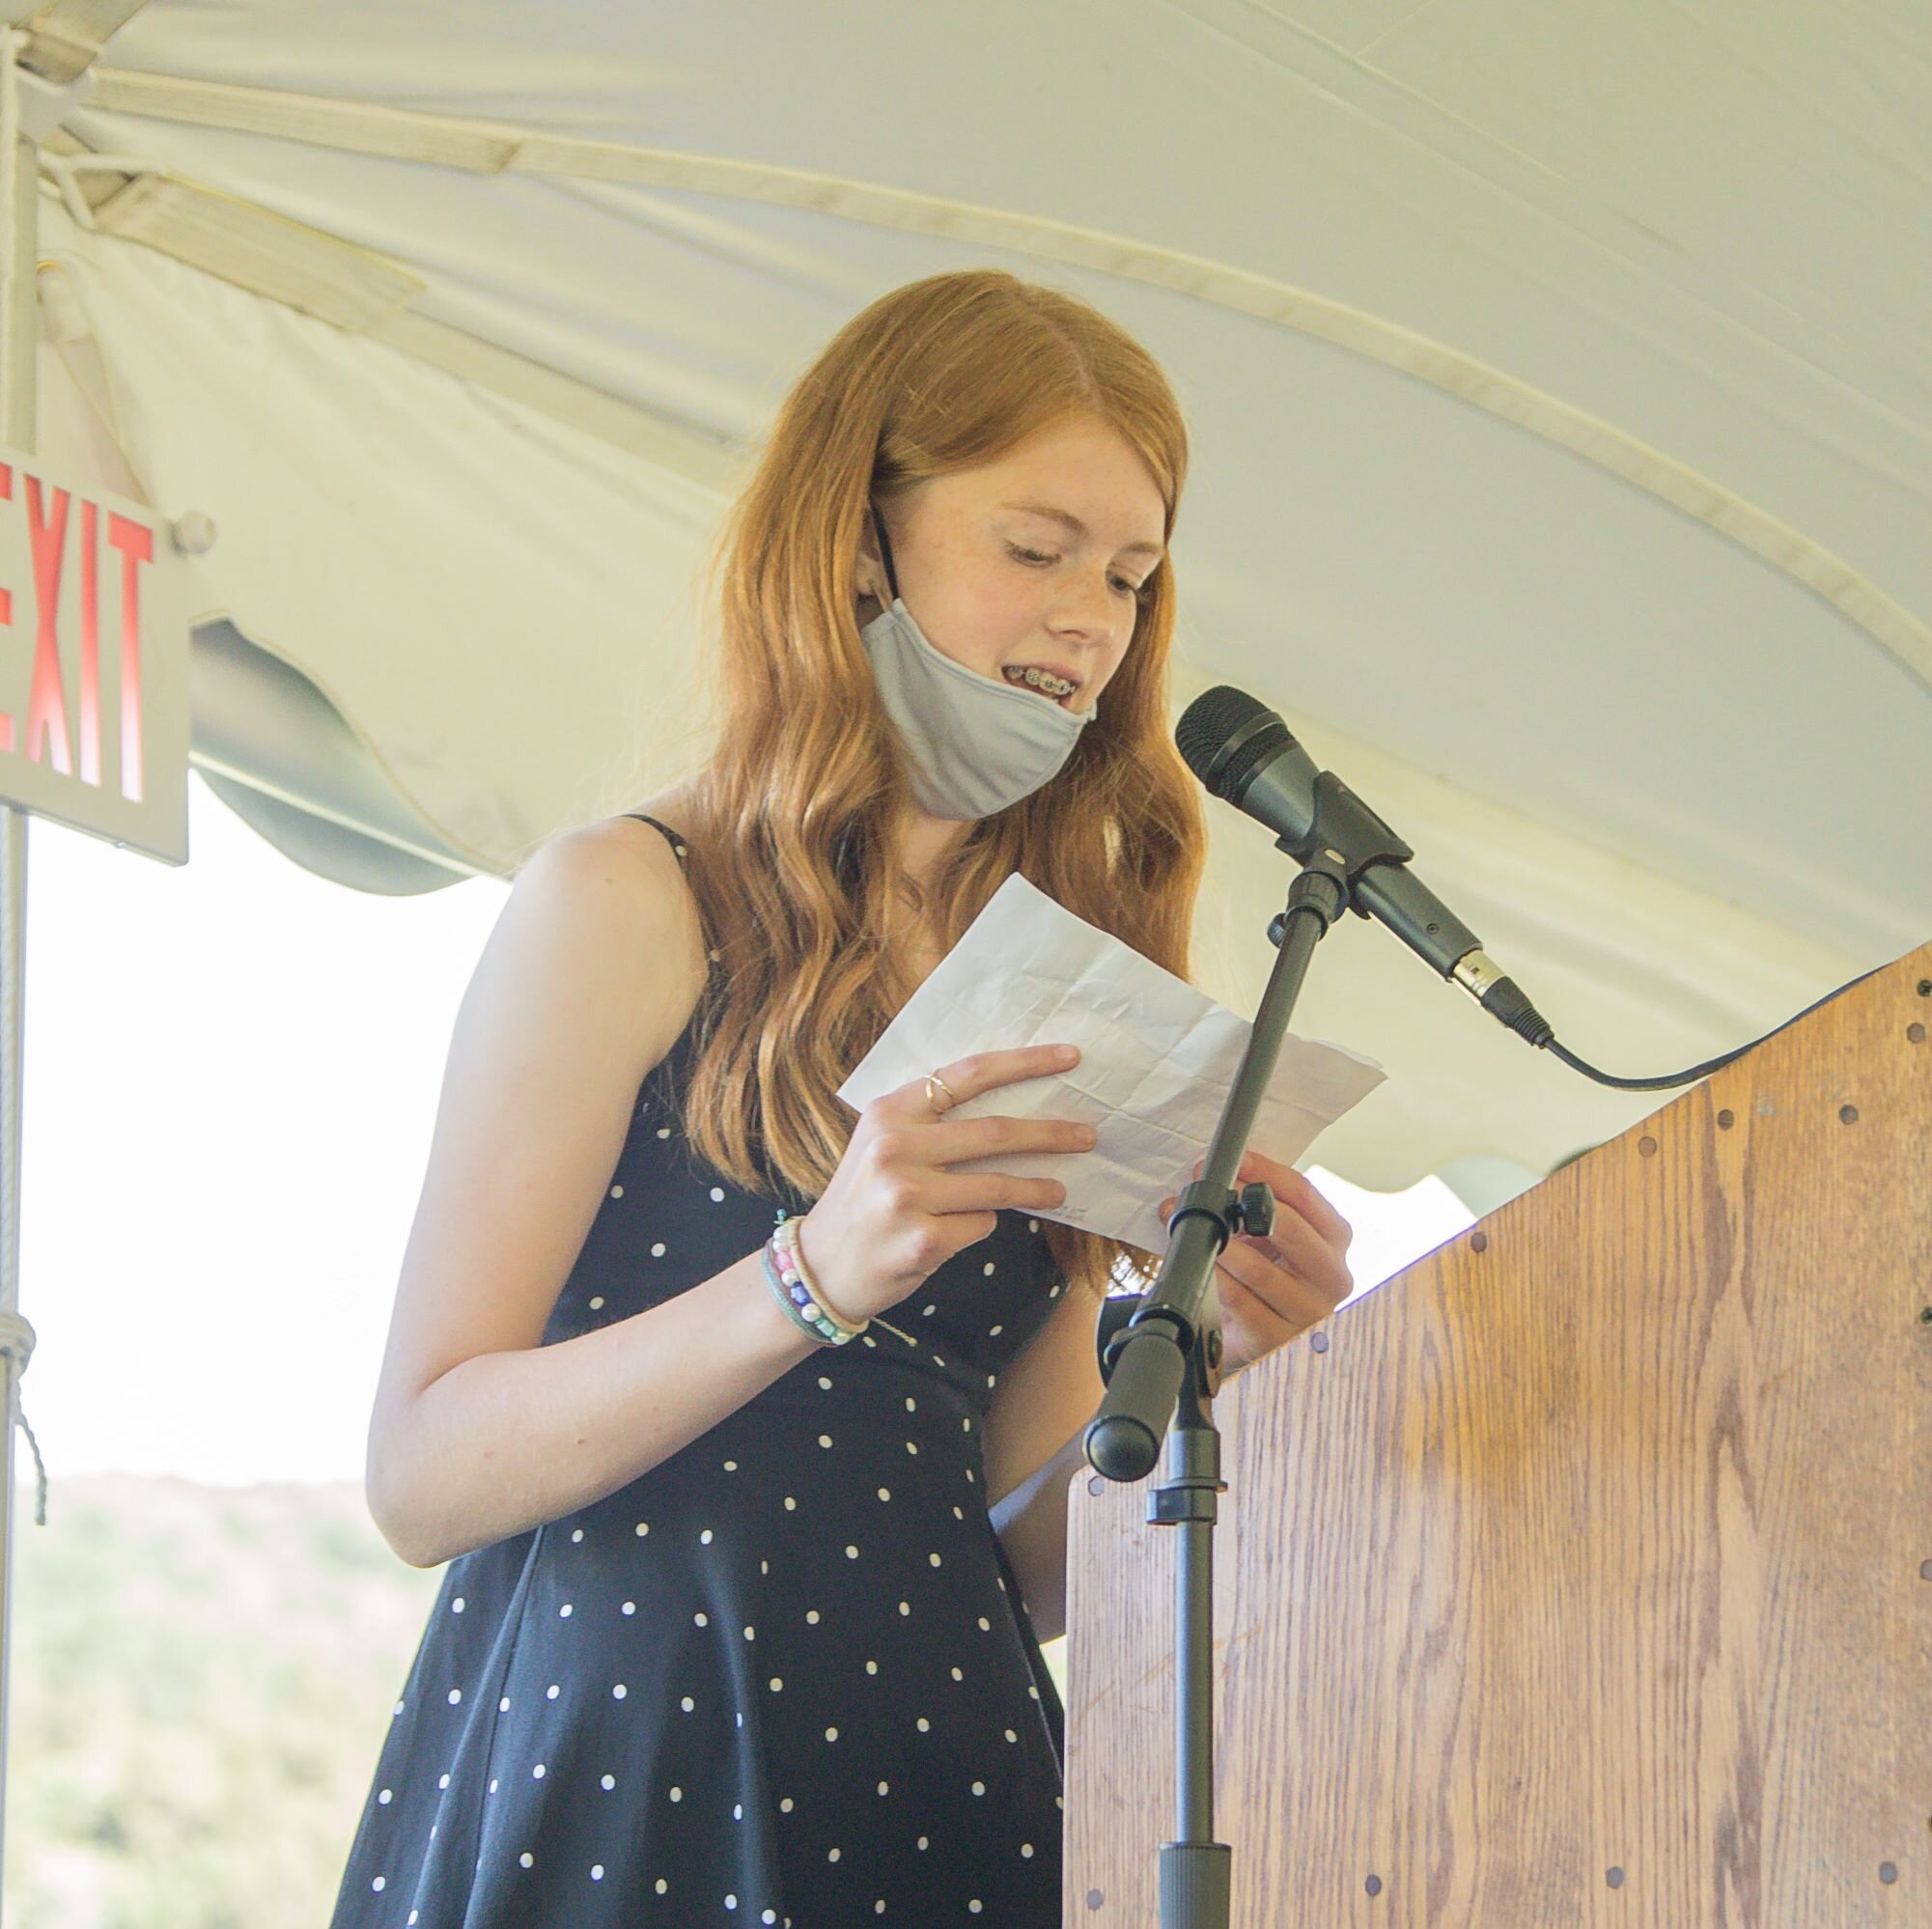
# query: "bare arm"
[[504, 1441], [478, 1430], [1033, 1433], [1031, 1524]]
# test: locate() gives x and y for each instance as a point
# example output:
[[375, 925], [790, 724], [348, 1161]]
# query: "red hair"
[[791, 824]]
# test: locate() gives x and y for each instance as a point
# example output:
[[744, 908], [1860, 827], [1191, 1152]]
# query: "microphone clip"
[[1344, 840]]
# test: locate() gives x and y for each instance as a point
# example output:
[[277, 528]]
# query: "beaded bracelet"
[[789, 1235], [816, 1327], [796, 1292]]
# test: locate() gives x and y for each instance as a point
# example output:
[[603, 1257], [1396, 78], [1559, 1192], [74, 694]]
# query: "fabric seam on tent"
[[1796, 555]]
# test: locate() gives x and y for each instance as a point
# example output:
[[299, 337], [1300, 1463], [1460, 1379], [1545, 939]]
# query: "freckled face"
[[996, 585]]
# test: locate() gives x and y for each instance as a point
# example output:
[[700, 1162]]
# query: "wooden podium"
[[1580, 1577]]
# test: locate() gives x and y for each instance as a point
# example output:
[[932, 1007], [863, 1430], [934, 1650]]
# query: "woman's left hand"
[[1275, 1288]]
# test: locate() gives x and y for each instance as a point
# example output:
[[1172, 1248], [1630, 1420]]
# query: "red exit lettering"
[[49, 731]]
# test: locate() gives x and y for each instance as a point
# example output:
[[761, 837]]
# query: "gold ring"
[[951, 1097]]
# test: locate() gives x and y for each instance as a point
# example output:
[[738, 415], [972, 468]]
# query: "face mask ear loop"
[[886, 550]]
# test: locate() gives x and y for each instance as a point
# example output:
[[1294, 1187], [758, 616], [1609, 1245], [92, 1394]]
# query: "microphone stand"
[[1166, 1352]]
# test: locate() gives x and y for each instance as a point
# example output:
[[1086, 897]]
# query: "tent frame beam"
[[62, 40], [488, 147], [20, 208]]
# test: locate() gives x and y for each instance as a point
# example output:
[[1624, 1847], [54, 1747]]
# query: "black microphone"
[[1243, 753]]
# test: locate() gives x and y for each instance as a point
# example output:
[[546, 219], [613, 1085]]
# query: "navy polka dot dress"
[[785, 1677]]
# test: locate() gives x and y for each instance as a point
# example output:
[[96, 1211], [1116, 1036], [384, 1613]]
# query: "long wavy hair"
[[791, 824]]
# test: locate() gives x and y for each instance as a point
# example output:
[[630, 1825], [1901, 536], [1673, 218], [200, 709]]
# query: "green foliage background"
[[202, 1677], [201, 1680]]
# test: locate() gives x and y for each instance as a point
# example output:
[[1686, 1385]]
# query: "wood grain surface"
[[1584, 1579]]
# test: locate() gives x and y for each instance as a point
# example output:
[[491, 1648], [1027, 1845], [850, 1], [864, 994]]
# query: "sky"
[[231, 1076]]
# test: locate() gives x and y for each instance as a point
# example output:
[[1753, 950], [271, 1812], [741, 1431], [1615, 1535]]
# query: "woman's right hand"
[[892, 1214]]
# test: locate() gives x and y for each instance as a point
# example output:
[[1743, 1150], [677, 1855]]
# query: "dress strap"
[[677, 843]]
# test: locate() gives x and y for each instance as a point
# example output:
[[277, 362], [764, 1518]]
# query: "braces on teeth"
[[1042, 680]]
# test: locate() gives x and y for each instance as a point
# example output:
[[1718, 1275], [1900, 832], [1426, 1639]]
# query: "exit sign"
[[94, 662]]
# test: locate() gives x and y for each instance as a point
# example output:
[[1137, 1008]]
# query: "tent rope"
[[16, 1343]]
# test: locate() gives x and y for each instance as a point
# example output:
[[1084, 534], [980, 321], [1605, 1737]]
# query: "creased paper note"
[[1157, 1059]]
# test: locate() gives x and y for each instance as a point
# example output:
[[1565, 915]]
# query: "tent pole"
[[19, 216]]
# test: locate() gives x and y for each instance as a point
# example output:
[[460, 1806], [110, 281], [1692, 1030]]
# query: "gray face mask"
[[973, 745]]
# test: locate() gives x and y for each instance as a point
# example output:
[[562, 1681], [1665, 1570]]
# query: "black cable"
[[1695, 1071]]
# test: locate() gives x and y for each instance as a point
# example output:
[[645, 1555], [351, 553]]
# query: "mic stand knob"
[[1255, 1210]]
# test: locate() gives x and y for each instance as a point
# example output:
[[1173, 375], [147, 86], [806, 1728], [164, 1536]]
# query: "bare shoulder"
[[612, 895], [588, 976]]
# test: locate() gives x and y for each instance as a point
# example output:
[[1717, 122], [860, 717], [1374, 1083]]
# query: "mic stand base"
[[1195, 1886]]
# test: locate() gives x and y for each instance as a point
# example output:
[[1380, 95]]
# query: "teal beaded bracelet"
[[792, 1287], [813, 1324], [791, 1258], [784, 1273]]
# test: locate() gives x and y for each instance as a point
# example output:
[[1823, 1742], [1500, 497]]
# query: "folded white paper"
[[1157, 1060]]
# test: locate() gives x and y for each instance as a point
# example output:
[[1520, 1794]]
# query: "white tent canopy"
[[1559, 383]]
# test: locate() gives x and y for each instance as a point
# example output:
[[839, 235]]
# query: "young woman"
[[753, 1528]]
